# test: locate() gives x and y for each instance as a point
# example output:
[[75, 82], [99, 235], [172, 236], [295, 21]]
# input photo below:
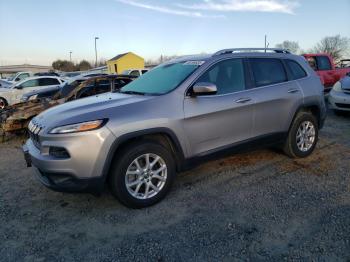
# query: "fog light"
[[58, 152]]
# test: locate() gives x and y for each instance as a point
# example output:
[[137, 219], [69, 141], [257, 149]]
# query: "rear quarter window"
[[295, 69], [268, 71]]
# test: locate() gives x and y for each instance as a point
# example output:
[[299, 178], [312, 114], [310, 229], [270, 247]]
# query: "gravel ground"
[[255, 206]]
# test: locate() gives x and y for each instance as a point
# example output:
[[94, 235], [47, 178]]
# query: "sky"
[[41, 31]]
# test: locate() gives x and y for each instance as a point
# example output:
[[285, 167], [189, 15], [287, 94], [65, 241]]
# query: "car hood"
[[86, 109]]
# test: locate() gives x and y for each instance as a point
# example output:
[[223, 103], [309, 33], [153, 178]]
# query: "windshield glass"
[[162, 79]]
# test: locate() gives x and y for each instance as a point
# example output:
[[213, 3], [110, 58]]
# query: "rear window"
[[268, 71], [295, 69], [323, 63]]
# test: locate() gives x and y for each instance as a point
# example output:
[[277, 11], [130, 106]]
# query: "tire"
[[3, 103], [135, 196], [294, 147]]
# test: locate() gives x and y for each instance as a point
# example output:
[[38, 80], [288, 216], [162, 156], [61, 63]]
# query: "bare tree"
[[336, 46], [292, 46]]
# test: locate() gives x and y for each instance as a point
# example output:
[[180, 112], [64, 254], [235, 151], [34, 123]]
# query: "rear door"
[[223, 119], [276, 97], [48, 82]]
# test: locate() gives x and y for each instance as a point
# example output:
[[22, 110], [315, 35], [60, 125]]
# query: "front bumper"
[[339, 101], [81, 171]]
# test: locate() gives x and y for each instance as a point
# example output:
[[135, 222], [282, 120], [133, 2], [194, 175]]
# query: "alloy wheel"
[[146, 176], [306, 136]]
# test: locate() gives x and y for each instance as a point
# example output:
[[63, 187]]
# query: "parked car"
[[53, 90], [181, 112], [15, 118], [46, 74], [339, 97], [135, 72], [13, 94], [324, 66], [4, 83]]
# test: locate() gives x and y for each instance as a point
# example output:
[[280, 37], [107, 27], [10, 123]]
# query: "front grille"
[[342, 105], [34, 129]]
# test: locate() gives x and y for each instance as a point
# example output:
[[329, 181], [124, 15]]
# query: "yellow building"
[[125, 61]]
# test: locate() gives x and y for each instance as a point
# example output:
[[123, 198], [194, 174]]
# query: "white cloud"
[[168, 10], [274, 6]]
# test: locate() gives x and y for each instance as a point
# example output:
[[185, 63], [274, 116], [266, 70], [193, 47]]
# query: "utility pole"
[[96, 51], [70, 56], [265, 42]]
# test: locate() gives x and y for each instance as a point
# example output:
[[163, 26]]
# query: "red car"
[[324, 66]]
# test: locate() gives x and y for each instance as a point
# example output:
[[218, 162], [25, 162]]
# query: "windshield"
[[162, 79]]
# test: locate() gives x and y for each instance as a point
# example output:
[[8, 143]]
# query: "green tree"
[[84, 65], [63, 65]]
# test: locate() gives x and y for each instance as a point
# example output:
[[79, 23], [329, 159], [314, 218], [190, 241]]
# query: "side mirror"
[[19, 87], [204, 88], [17, 79]]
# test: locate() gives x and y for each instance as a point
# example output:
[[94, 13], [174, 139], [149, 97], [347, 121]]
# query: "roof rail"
[[236, 50]]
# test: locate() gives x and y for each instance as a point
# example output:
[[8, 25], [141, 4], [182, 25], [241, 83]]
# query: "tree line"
[[68, 66]]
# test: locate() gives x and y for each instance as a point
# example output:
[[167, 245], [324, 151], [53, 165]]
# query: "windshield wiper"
[[133, 93]]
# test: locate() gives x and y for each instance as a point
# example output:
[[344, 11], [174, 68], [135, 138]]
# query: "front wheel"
[[303, 136], [142, 175]]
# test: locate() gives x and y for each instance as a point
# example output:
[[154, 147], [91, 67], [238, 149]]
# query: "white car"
[[135, 72], [339, 97], [13, 94], [4, 83]]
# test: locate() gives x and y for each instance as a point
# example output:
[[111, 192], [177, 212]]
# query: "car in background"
[[16, 118], [339, 97], [135, 72], [4, 83], [13, 94], [46, 74], [325, 68]]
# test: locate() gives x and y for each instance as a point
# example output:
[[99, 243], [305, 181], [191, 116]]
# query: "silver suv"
[[179, 113]]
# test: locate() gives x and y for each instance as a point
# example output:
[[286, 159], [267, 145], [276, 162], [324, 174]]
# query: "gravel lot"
[[254, 206]]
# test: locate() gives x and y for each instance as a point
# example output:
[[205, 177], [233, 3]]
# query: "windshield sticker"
[[195, 63]]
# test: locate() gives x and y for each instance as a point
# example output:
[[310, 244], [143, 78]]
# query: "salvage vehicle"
[[13, 94], [179, 113], [4, 83], [16, 118], [339, 97], [324, 66]]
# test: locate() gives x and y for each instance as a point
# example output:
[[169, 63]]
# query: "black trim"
[[239, 147], [120, 140]]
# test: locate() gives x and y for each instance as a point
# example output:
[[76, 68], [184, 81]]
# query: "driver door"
[[220, 120]]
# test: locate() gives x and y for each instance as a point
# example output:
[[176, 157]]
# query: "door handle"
[[291, 91], [243, 100]]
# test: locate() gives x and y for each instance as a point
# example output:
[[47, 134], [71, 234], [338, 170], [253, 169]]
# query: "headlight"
[[79, 127], [33, 97], [337, 87]]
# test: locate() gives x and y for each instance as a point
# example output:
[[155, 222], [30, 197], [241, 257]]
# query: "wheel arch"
[[313, 108], [164, 136]]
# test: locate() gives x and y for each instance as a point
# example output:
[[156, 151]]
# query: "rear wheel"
[[303, 136], [142, 175], [3, 103]]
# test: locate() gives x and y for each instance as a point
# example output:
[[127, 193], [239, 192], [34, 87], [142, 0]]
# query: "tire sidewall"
[[117, 181], [293, 132]]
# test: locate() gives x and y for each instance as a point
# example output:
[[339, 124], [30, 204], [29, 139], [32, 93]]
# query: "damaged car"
[[16, 118]]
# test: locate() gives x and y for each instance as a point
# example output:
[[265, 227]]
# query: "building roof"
[[124, 54], [118, 56]]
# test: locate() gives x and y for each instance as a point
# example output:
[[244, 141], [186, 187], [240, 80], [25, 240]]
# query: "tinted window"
[[48, 81], [296, 70], [119, 83], [135, 73], [323, 63], [103, 86], [30, 83], [228, 76], [268, 71], [144, 71]]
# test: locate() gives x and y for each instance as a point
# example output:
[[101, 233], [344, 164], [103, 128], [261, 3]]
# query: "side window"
[[268, 71], [228, 76], [135, 73], [323, 63], [312, 62], [296, 70], [22, 77], [48, 81], [30, 83], [103, 86], [119, 83]]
